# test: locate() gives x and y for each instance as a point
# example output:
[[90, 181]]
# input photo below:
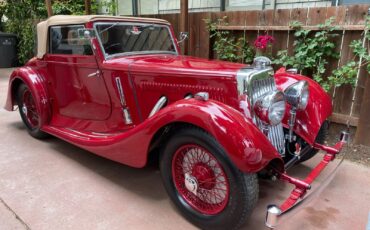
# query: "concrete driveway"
[[51, 184]]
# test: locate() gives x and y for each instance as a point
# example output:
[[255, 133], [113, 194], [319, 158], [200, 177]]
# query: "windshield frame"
[[110, 56]]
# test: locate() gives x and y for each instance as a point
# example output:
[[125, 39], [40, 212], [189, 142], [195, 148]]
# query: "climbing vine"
[[312, 51], [226, 45], [347, 73], [23, 15]]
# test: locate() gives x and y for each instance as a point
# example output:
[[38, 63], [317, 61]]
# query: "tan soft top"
[[42, 27]]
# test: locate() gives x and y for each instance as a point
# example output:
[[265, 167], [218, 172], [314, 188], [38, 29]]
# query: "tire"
[[29, 113], [217, 195], [320, 138]]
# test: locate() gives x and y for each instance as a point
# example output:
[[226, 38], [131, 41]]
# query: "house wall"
[[173, 6]]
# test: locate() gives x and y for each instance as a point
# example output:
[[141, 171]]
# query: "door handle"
[[95, 74]]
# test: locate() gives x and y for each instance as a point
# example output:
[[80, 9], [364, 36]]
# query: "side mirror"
[[86, 33], [183, 36]]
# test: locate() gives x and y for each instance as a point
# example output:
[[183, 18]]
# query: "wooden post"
[[87, 7], [222, 5], [363, 134], [184, 23], [135, 8], [48, 8]]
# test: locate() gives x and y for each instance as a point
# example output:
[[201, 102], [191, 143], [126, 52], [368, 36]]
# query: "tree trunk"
[[48, 8], [87, 7]]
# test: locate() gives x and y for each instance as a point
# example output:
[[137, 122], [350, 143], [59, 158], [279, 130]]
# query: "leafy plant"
[[23, 16], [347, 73], [312, 51], [227, 46]]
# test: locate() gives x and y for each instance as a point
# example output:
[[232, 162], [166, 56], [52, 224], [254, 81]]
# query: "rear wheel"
[[203, 183], [29, 112]]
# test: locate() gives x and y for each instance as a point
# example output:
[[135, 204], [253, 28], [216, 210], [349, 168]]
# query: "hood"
[[179, 64]]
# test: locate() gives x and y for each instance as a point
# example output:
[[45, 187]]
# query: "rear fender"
[[244, 143], [319, 106], [36, 83]]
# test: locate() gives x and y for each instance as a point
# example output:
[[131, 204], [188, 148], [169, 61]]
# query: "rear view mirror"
[[183, 36], [86, 33]]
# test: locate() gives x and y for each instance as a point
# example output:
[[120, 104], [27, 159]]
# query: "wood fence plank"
[[204, 39], [282, 17], [343, 100], [299, 14], [316, 15], [356, 14]]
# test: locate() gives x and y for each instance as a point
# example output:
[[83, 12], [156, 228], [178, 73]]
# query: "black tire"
[[33, 128], [243, 188], [320, 138]]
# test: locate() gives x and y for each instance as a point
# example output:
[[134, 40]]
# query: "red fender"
[[319, 106], [36, 83], [246, 146]]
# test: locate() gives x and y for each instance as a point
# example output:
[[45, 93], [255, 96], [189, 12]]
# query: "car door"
[[77, 83]]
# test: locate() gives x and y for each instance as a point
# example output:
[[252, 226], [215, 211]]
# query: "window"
[[123, 38], [65, 40]]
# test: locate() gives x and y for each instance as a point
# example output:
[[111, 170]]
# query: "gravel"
[[355, 153]]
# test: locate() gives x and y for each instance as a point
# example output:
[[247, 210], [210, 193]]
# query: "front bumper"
[[298, 198]]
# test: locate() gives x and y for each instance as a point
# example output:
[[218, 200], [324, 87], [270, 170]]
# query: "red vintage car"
[[118, 87]]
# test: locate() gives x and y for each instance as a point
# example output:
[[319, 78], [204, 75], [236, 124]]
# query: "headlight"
[[297, 95], [270, 107]]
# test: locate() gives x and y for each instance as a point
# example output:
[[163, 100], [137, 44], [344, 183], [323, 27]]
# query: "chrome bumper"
[[276, 214]]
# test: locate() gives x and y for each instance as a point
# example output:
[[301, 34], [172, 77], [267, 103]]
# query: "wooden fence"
[[349, 19]]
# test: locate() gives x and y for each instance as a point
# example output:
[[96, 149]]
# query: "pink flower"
[[262, 41]]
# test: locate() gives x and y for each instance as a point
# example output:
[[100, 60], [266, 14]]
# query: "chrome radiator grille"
[[275, 133]]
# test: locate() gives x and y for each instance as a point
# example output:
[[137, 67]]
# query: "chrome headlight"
[[297, 95], [270, 107]]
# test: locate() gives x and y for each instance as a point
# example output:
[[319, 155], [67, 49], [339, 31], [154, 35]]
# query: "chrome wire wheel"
[[200, 180], [203, 182], [29, 109], [29, 112]]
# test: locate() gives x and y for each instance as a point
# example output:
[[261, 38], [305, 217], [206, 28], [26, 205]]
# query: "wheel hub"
[[191, 183], [204, 175]]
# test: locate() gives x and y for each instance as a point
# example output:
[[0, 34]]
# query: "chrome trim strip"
[[127, 116], [160, 103], [120, 91]]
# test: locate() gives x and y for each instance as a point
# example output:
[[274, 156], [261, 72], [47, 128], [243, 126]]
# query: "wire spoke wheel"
[[29, 109], [30, 114], [203, 182], [200, 180]]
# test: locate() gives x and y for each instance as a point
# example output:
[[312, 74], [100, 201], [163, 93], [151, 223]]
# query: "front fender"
[[319, 106], [36, 83], [244, 143]]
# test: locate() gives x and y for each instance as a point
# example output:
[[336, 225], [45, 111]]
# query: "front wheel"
[[29, 112], [204, 184]]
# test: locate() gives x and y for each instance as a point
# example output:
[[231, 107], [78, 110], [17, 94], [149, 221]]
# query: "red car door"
[[77, 83]]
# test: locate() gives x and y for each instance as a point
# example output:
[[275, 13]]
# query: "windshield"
[[130, 38]]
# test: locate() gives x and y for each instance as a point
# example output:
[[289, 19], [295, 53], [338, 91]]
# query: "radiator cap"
[[261, 62]]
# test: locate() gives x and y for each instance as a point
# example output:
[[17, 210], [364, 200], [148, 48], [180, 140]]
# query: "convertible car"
[[119, 87]]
